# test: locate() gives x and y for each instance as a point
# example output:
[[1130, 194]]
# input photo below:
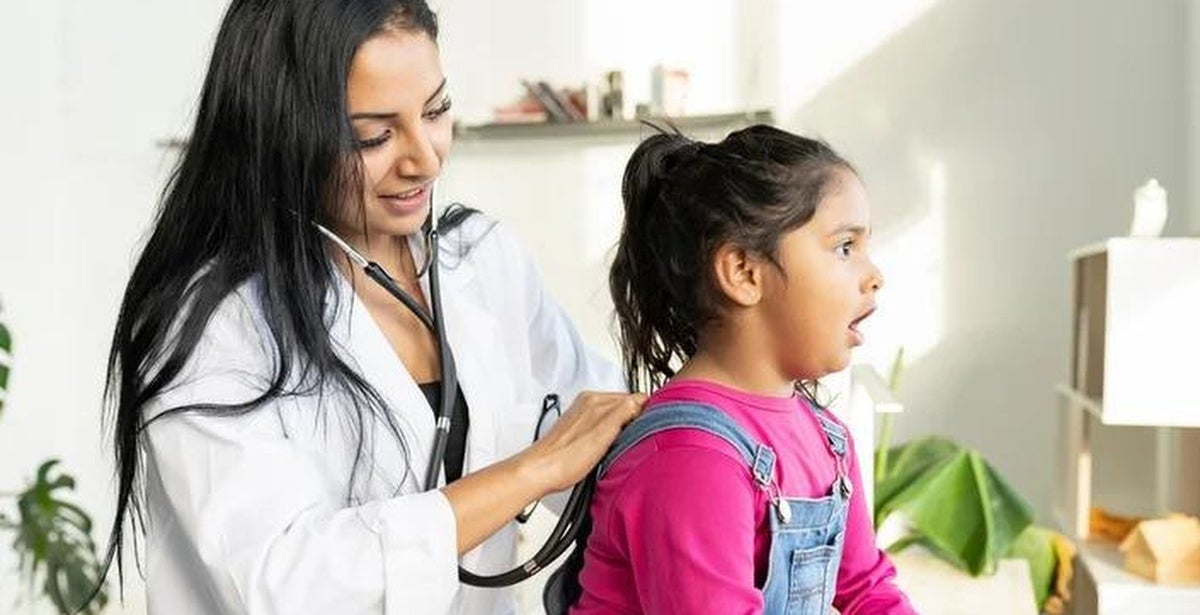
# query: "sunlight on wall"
[[913, 262], [824, 39]]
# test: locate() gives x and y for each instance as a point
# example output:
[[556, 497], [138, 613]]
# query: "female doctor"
[[273, 407]]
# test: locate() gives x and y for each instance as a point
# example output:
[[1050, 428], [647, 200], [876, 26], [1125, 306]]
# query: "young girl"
[[746, 262]]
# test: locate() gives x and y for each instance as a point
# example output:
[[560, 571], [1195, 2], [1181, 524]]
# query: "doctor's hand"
[[579, 439], [484, 501]]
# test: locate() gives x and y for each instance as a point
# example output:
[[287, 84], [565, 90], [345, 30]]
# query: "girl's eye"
[[375, 141], [845, 248], [440, 110]]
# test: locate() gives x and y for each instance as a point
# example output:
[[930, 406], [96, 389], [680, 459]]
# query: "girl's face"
[[827, 286], [399, 109]]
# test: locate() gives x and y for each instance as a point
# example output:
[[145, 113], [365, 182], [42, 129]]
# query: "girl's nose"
[[874, 278]]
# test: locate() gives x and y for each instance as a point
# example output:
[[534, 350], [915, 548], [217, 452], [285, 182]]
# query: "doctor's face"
[[399, 108]]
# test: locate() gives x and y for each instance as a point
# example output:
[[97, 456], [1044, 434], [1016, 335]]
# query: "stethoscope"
[[568, 526]]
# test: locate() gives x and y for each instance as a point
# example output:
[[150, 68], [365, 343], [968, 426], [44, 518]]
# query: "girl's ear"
[[738, 275]]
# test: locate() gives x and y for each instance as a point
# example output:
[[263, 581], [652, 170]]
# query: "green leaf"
[[5, 358], [1036, 545], [3, 384], [955, 503], [54, 544], [909, 461], [1011, 513]]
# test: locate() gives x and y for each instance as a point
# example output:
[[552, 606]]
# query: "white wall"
[[993, 136], [88, 89]]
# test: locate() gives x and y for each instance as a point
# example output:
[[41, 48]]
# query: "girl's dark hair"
[[272, 149], [683, 200]]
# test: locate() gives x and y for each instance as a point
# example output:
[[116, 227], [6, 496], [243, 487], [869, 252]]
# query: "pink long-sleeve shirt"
[[679, 525]]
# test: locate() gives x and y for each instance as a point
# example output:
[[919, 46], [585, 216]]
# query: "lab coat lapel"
[[472, 333], [369, 352], [482, 371]]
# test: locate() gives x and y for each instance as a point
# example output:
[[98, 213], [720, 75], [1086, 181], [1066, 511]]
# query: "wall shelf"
[[603, 128], [1080, 400]]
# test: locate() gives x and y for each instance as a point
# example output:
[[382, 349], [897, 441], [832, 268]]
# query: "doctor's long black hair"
[[267, 155]]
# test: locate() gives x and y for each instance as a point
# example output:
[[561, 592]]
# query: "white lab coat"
[[249, 514]]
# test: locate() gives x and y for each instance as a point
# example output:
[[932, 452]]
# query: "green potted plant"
[[955, 504], [56, 556]]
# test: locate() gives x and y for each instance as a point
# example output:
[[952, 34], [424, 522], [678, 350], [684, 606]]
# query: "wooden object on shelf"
[[1107, 526], [500, 131], [1103, 587], [1165, 550]]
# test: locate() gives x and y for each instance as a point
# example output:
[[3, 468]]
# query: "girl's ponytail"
[[647, 324]]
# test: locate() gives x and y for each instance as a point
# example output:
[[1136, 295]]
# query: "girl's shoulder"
[[676, 474], [691, 447]]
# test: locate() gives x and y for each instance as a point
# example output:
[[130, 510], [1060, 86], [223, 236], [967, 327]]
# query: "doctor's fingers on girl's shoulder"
[[609, 407]]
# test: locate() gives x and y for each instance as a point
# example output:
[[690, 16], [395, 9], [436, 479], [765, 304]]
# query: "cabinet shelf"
[[1095, 407]]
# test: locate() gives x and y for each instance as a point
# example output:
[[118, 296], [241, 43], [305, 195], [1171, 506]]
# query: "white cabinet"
[[1130, 409]]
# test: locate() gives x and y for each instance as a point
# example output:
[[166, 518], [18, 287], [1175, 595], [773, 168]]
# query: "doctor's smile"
[[408, 202]]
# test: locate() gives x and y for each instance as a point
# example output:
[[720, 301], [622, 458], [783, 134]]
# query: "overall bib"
[[806, 533]]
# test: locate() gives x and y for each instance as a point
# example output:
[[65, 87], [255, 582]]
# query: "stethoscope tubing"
[[567, 529]]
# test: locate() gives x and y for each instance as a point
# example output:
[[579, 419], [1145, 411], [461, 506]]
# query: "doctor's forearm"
[[484, 501]]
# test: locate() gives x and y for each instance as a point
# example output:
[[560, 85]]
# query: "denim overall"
[[806, 533]]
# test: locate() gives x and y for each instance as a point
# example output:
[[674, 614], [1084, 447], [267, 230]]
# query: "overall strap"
[[691, 415], [835, 434], [839, 445]]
